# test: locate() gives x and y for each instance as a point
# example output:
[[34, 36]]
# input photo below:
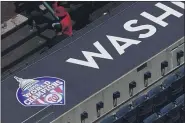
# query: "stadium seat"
[[162, 119], [109, 119], [145, 109], [174, 114], [180, 100], [131, 116], [163, 114], [140, 107], [151, 118], [154, 91], [181, 72], [175, 86], [122, 111], [166, 109], [138, 100], [127, 113], [182, 112], [160, 97], [121, 120], [167, 82]]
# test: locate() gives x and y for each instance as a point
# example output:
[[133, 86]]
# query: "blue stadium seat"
[[174, 114], [138, 101], [145, 109], [160, 97], [181, 72], [162, 119], [127, 113], [151, 118], [175, 86], [131, 116], [109, 119], [168, 82], [169, 114], [154, 91], [122, 111], [182, 112], [121, 120], [166, 109], [180, 100]]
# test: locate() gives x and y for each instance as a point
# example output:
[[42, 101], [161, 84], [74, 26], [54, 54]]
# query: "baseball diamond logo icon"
[[41, 91]]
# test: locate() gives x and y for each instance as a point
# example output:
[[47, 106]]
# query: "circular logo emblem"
[[53, 98], [41, 91]]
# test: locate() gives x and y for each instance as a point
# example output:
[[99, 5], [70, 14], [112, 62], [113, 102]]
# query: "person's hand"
[[42, 7], [59, 33]]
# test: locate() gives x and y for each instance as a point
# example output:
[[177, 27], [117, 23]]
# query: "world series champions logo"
[[41, 91]]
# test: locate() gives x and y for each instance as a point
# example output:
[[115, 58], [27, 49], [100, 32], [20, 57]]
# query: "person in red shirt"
[[64, 27]]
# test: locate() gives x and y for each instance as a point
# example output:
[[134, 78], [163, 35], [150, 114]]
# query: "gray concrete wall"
[[122, 85]]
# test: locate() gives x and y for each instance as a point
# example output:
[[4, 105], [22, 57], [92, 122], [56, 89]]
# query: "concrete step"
[[24, 63], [13, 24], [16, 39], [18, 54], [48, 34]]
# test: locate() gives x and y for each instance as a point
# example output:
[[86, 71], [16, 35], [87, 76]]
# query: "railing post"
[[50, 10]]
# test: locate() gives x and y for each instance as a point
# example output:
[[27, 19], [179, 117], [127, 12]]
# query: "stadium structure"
[[127, 66]]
